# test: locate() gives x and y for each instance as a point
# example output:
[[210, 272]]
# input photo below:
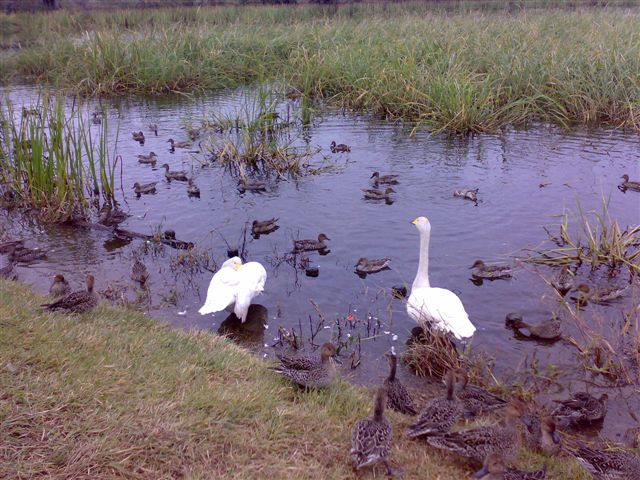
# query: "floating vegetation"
[[50, 160], [600, 241]]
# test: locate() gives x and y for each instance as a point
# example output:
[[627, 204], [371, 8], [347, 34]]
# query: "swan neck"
[[422, 277]]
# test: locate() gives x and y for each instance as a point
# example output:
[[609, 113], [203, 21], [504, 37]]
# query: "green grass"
[[115, 394], [455, 71]]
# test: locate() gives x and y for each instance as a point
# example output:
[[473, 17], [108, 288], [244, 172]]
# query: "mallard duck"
[[582, 407], [96, 118], [564, 282], [477, 443], [264, 227], [489, 272], [22, 254], [235, 283], [441, 414], [175, 144], [76, 302], [144, 188], [375, 194], [495, 468], [179, 175], [139, 272], [602, 295], [306, 245], [59, 287], [398, 397], [339, 148], [608, 464], [467, 193], [476, 400], [152, 158], [253, 185], [192, 188], [433, 307], [365, 265], [384, 179], [545, 330], [307, 372], [154, 128], [541, 435], [138, 136], [629, 184], [112, 216], [372, 437], [10, 246]]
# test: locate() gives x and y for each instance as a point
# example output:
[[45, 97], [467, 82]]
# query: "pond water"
[[525, 179]]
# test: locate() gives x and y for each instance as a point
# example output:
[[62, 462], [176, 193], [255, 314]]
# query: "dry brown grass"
[[114, 394]]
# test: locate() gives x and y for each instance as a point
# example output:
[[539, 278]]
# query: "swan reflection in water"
[[249, 332]]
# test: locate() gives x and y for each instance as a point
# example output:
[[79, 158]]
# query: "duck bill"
[[483, 472]]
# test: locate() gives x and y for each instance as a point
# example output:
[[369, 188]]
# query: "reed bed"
[[448, 71], [51, 161]]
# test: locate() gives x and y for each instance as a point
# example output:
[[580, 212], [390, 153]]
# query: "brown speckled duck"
[[138, 136], [398, 396], [600, 296], [252, 185], [564, 282], [629, 184], [76, 302], [375, 194], [339, 148], [384, 179], [175, 144], [476, 400], [150, 159], [580, 408], [545, 330], [489, 272], [541, 435], [365, 265], [264, 226], [306, 245], [59, 287], [440, 415], [608, 464], [371, 438], [179, 175], [308, 372], [139, 272], [144, 188]]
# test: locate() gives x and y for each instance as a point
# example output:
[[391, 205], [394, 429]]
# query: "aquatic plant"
[[50, 160]]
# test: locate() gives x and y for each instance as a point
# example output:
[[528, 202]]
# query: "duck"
[[76, 302], [154, 128], [151, 159], [629, 184], [11, 245], [235, 283], [192, 188], [264, 227], [545, 330], [489, 272], [477, 443], [467, 193], [372, 437], [608, 464], [308, 372], [253, 185], [144, 188], [193, 133], [495, 468], [339, 148], [139, 272], [96, 118], [59, 287], [476, 400], [21, 254], [138, 136], [175, 144], [398, 397], [179, 175], [375, 194], [432, 307], [7, 271], [601, 295], [582, 407], [439, 415], [564, 282], [112, 216], [307, 245], [541, 435], [365, 265], [384, 179]]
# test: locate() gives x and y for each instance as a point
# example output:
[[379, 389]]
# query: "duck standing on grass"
[[476, 400], [76, 302], [372, 438], [398, 396], [308, 372], [59, 287]]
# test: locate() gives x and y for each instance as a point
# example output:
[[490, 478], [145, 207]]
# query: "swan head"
[[422, 224], [233, 262]]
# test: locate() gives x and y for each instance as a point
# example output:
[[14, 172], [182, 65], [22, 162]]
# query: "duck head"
[[548, 426], [477, 264], [322, 237], [493, 464]]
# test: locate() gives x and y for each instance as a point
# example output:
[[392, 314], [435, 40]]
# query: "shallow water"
[[526, 178]]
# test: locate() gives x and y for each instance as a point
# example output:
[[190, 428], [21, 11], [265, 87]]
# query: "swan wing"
[[222, 290], [252, 279], [441, 307]]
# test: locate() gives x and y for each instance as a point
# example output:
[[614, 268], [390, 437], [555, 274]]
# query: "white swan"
[[234, 283], [435, 307]]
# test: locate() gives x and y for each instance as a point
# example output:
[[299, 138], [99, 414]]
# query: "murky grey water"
[[508, 168]]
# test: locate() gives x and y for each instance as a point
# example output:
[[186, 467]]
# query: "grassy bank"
[[451, 71], [114, 394]]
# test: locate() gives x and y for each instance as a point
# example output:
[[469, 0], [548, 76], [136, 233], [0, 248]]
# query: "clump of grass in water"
[[50, 161]]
